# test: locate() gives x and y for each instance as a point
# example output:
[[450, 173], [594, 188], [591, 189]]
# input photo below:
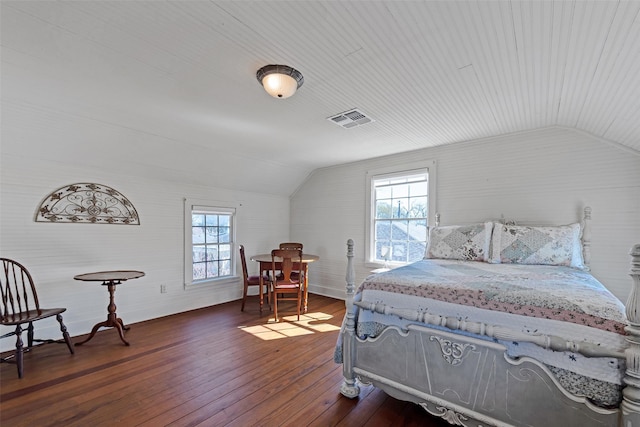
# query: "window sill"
[[217, 283]]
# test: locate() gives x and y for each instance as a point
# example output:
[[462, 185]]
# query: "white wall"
[[55, 253], [545, 176]]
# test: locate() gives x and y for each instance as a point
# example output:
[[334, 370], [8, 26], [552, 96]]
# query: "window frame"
[[428, 166], [196, 206]]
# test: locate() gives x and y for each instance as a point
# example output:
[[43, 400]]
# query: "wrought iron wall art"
[[87, 202]]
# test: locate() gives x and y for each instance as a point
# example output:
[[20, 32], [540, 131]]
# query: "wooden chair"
[[20, 305], [253, 280], [291, 262], [290, 245]]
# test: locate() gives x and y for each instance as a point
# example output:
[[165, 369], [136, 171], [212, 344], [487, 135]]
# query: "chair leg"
[[244, 297], [19, 350], [30, 335], [299, 301], [65, 334], [275, 304]]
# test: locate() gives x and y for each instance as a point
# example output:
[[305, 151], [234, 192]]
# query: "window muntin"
[[211, 245], [400, 202], [209, 239], [395, 174]]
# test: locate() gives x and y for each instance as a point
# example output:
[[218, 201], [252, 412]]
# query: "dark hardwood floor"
[[215, 366]]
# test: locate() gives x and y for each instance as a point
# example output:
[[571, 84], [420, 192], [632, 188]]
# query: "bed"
[[500, 325]]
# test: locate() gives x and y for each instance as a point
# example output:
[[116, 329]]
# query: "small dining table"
[[109, 279], [265, 265]]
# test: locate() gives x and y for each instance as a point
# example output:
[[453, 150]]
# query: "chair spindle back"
[[17, 288]]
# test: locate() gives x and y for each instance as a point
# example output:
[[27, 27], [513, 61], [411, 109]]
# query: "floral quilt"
[[550, 292]]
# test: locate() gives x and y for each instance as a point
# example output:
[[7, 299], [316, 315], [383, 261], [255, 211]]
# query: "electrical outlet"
[[163, 289]]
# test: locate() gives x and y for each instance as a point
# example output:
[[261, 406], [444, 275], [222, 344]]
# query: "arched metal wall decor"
[[87, 202]]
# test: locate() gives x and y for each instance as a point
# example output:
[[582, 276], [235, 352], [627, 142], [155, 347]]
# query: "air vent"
[[350, 119]]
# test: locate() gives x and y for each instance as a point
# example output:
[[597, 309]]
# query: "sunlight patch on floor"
[[289, 326]]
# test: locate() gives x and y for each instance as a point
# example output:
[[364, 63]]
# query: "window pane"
[[211, 220], [224, 235], [212, 234], [418, 230], [383, 209], [212, 252], [225, 268], [383, 193], [224, 252], [399, 230], [399, 252], [418, 189], [199, 254], [418, 207], [197, 235], [224, 220], [212, 269], [400, 208], [199, 271], [197, 220], [400, 191], [383, 231], [383, 250]]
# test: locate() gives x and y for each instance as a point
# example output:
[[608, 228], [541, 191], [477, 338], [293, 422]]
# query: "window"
[[209, 242], [399, 212]]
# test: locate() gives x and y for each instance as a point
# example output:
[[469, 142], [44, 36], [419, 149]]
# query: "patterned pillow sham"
[[463, 242], [517, 244]]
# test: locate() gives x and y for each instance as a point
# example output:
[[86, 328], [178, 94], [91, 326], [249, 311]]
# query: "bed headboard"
[[585, 235]]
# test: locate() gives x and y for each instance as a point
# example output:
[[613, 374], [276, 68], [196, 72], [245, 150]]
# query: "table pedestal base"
[[112, 320]]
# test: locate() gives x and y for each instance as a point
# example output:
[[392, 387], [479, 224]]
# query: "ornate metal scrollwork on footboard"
[[453, 352]]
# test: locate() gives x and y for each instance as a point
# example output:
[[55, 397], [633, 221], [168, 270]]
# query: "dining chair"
[[253, 280], [290, 245], [287, 287], [20, 305]]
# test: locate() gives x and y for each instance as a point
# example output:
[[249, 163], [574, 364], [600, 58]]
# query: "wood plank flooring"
[[215, 366]]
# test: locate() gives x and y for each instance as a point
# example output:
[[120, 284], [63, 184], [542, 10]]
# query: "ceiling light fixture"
[[280, 81]]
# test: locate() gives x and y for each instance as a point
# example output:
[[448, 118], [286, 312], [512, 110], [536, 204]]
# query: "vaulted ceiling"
[[169, 87]]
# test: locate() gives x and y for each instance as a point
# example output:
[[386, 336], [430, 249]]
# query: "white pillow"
[[518, 244], [463, 242]]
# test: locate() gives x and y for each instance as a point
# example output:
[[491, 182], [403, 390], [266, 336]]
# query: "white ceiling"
[[172, 83]]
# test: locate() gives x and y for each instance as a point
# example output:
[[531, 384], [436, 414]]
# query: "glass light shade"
[[280, 81], [279, 85]]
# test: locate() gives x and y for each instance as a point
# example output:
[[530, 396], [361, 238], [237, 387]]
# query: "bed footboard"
[[630, 407], [470, 382]]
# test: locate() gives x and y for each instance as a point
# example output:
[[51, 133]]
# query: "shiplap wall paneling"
[[540, 177], [55, 253]]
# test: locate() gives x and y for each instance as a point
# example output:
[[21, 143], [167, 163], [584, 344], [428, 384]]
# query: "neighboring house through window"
[[209, 243], [400, 204]]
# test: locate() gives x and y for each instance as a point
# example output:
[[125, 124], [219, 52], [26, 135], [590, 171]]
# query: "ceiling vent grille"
[[350, 119]]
